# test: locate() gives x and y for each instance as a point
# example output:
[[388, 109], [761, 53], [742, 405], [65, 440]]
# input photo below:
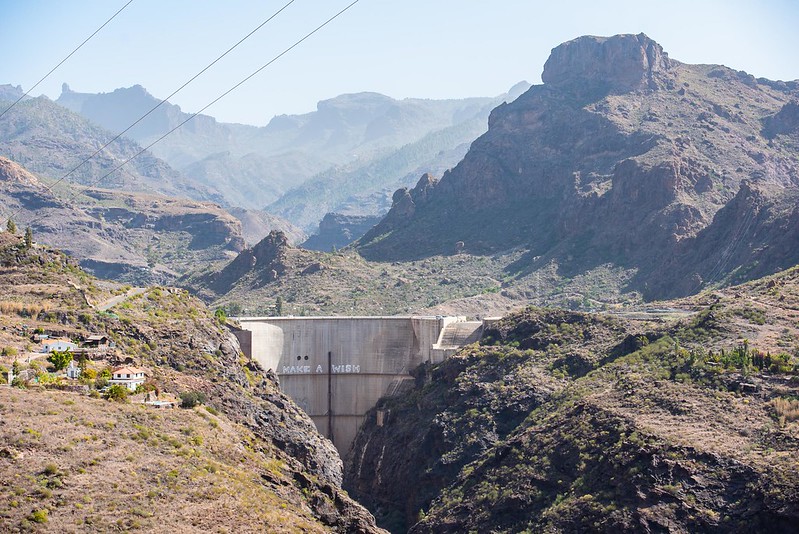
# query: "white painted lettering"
[[296, 369], [319, 369], [346, 368]]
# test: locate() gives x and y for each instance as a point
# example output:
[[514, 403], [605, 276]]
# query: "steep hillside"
[[622, 157], [50, 141], [251, 457], [131, 237], [682, 419]]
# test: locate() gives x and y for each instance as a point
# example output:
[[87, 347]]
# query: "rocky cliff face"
[[337, 231], [616, 64], [621, 156], [567, 422]]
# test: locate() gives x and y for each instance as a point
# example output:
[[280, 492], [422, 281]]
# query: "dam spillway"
[[336, 368]]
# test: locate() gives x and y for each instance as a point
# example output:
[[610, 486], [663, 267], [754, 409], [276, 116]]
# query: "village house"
[[58, 345], [130, 377], [97, 341]]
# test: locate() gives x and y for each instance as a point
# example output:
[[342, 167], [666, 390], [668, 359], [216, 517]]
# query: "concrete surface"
[[336, 368]]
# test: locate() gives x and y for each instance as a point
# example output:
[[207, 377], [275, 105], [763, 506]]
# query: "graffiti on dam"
[[306, 369]]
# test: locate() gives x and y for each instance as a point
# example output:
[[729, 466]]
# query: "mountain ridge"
[[619, 156]]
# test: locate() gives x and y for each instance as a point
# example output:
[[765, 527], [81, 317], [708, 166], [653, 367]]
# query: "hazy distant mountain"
[[365, 189], [252, 181], [253, 167], [684, 175], [118, 109], [9, 94], [50, 141]]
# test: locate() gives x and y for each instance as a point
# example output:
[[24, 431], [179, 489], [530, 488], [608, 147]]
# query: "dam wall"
[[336, 368]]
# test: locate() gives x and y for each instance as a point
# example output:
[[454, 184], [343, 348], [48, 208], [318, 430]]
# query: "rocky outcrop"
[[337, 230], [620, 158], [266, 259], [616, 64], [785, 121], [404, 203]]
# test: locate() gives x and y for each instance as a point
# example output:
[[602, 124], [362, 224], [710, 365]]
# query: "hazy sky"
[[402, 48]]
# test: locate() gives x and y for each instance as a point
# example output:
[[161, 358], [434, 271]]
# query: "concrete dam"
[[336, 368]]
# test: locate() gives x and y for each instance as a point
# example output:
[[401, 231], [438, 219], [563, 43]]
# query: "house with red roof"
[[130, 377]]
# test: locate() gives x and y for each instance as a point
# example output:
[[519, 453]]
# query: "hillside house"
[[58, 345], [97, 341], [130, 377]]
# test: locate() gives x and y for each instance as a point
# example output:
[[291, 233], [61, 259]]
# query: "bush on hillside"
[[190, 399]]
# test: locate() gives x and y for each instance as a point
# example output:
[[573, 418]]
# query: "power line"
[[214, 101], [162, 102], [66, 58]]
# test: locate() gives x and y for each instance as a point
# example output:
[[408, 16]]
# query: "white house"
[[130, 377], [58, 345]]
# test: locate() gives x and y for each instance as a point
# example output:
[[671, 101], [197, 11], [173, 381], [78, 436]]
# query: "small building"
[[97, 341], [73, 371], [58, 345], [130, 377]]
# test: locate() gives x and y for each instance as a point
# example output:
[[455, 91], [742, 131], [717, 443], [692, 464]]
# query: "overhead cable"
[[214, 101], [66, 58], [162, 102]]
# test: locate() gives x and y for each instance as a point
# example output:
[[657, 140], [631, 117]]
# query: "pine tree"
[[28, 237], [10, 226]]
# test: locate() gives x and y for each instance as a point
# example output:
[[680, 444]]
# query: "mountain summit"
[[618, 64], [679, 175]]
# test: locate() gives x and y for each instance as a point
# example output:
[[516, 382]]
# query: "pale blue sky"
[[402, 48]]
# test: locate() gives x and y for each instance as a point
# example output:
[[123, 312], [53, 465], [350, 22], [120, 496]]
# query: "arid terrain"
[[568, 421], [245, 456]]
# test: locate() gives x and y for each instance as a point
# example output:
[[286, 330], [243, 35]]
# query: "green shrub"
[[39, 516], [60, 360], [117, 392], [51, 469], [190, 399]]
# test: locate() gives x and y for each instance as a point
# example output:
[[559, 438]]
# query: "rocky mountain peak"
[[267, 259], [620, 63], [271, 248]]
